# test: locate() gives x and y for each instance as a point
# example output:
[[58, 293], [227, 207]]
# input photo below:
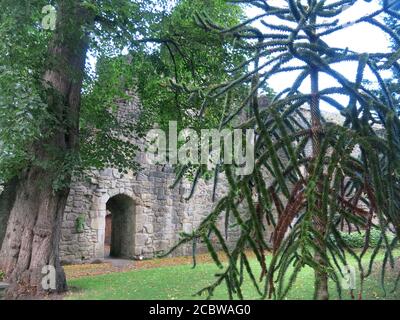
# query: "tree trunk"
[[33, 231], [321, 278], [32, 237], [320, 219], [321, 290]]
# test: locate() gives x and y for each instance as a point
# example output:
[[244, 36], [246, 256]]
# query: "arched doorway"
[[120, 224]]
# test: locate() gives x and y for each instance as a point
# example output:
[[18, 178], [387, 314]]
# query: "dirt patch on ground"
[[87, 270]]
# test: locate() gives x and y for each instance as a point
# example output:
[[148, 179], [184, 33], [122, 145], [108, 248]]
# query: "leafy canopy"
[[162, 41]]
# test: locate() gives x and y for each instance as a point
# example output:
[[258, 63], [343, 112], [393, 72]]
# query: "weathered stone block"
[[140, 239], [148, 228]]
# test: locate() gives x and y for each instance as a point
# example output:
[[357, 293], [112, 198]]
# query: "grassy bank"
[[174, 282]]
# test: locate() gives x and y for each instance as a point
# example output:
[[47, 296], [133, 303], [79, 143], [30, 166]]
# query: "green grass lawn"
[[181, 282]]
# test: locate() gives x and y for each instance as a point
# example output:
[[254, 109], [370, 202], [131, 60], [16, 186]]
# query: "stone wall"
[[160, 214]]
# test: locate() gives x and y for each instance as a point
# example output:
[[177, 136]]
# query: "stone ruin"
[[134, 215]]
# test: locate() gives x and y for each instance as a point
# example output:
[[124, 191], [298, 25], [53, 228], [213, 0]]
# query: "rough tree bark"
[[33, 231]]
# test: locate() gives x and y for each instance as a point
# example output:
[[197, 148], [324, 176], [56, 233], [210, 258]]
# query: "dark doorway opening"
[[120, 227], [107, 238]]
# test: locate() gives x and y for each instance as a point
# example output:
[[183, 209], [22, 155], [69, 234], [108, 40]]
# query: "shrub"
[[2, 275], [357, 239]]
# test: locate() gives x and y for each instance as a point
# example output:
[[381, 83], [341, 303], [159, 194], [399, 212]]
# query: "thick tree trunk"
[[33, 231], [32, 236]]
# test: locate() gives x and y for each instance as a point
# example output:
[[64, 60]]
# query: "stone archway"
[[121, 222]]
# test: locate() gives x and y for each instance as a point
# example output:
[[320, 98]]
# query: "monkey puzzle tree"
[[323, 173]]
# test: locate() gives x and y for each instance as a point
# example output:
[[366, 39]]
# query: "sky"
[[361, 38]]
